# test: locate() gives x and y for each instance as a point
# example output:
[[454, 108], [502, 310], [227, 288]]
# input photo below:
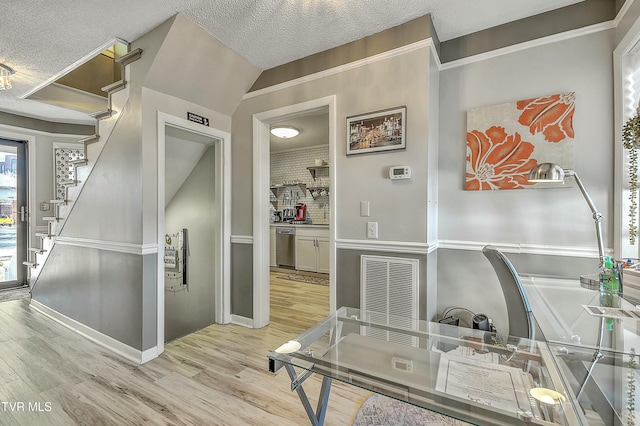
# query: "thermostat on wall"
[[399, 172]]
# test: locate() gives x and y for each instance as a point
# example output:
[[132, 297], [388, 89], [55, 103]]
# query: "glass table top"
[[472, 375]]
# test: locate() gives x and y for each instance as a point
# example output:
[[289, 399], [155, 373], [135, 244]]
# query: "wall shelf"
[[315, 169]]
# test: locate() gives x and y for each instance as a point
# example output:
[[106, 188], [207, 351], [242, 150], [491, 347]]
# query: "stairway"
[[117, 96]]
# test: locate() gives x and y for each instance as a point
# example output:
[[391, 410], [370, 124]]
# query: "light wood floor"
[[217, 376]]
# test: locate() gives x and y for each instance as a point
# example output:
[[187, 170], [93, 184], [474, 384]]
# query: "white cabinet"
[[272, 246], [312, 250]]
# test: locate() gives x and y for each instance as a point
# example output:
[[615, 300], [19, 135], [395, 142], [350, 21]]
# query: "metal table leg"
[[317, 418]]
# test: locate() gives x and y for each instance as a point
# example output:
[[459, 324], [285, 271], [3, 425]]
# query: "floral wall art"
[[505, 141]]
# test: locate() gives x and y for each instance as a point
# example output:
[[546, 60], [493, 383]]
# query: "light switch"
[[364, 209], [372, 229]]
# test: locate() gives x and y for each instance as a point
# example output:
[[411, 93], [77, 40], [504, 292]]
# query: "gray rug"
[[305, 279], [15, 294], [380, 410]]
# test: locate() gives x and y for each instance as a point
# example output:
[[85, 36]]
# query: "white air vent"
[[389, 287]]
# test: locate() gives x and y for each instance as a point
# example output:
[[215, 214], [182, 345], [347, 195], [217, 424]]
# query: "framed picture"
[[377, 131]]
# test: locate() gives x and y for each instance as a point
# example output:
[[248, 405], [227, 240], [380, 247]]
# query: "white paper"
[[493, 385]]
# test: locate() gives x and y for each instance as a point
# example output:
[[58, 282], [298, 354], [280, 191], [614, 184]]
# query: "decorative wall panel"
[[505, 141]]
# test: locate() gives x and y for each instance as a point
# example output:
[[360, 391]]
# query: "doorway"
[[13, 215], [262, 193], [193, 227]]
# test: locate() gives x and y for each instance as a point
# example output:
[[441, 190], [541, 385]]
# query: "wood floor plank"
[[216, 376]]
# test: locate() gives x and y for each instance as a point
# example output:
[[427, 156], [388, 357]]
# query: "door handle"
[[22, 213]]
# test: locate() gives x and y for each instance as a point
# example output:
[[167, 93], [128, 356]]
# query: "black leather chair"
[[521, 321]]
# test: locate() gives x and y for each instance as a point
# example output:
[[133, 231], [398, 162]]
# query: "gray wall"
[[400, 207], [582, 64], [193, 208], [98, 288], [118, 205]]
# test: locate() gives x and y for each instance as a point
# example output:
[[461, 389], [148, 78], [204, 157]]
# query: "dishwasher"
[[286, 247]]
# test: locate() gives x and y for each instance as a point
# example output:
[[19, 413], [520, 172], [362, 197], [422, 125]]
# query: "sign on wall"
[[505, 141]]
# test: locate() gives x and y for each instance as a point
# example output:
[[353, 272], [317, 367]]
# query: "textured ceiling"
[[41, 39]]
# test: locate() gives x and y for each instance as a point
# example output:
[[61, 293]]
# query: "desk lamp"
[[550, 172]]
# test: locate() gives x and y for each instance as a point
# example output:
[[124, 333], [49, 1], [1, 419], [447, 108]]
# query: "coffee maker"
[[301, 211]]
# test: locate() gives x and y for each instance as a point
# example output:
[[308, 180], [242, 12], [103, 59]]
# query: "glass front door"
[[13, 223]]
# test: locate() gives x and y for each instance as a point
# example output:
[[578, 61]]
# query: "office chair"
[[521, 322]]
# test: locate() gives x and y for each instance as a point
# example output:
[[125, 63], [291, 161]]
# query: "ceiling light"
[[285, 132], [5, 76]]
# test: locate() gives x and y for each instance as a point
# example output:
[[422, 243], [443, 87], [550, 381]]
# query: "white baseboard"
[[132, 354], [243, 321]]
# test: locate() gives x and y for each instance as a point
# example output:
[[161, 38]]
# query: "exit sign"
[[198, 119]]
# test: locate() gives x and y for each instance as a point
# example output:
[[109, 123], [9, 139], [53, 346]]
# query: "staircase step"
[[114, 87], [30, 264], [90, 139], [78, 162], [132, 56], [50, 219], [37, 250], [44, 235], [102, 114]]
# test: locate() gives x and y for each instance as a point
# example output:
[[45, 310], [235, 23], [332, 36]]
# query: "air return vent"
[[389, 293]]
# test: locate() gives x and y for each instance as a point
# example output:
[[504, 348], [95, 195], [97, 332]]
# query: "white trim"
[[304, 148], [628, 46], [547, 250], [222, 279], [242, 239], [530, 44], [384, 246], [34, 133], [426, 248], [95, 336], [342, 68], [261, 225], [242, 321], [73, 66], [129, 248]]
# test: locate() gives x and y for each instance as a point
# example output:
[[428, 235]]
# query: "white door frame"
[[630, 44], [222, 281], [261, 201]]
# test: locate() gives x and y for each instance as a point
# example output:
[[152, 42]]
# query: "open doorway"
[[299, 214], [294, 204], [13, 223], [193, 227]]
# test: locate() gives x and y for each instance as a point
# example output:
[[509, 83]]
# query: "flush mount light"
[[285, 132], [5, 76]]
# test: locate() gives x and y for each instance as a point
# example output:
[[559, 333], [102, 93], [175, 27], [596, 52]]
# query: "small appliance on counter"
[[276, 216], [301, 212], [288, 214]]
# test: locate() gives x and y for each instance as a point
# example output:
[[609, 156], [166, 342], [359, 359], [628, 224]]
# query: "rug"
[[379, 410], [15, 294], [308, 279]]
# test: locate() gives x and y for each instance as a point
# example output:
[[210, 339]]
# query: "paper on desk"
[[498, 386]]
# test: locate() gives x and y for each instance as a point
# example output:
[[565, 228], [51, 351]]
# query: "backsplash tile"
[[291, 167]]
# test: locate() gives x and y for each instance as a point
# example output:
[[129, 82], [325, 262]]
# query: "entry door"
[[13, 216]]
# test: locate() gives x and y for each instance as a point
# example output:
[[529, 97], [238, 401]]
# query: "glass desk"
[[471, 375], [595, 352]]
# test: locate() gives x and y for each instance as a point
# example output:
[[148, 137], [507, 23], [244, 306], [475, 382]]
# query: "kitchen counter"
[[305, 225]]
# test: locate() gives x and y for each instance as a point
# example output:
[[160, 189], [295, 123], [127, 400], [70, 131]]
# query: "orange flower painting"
[[497, 160], [506, 141], [550, 115]]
